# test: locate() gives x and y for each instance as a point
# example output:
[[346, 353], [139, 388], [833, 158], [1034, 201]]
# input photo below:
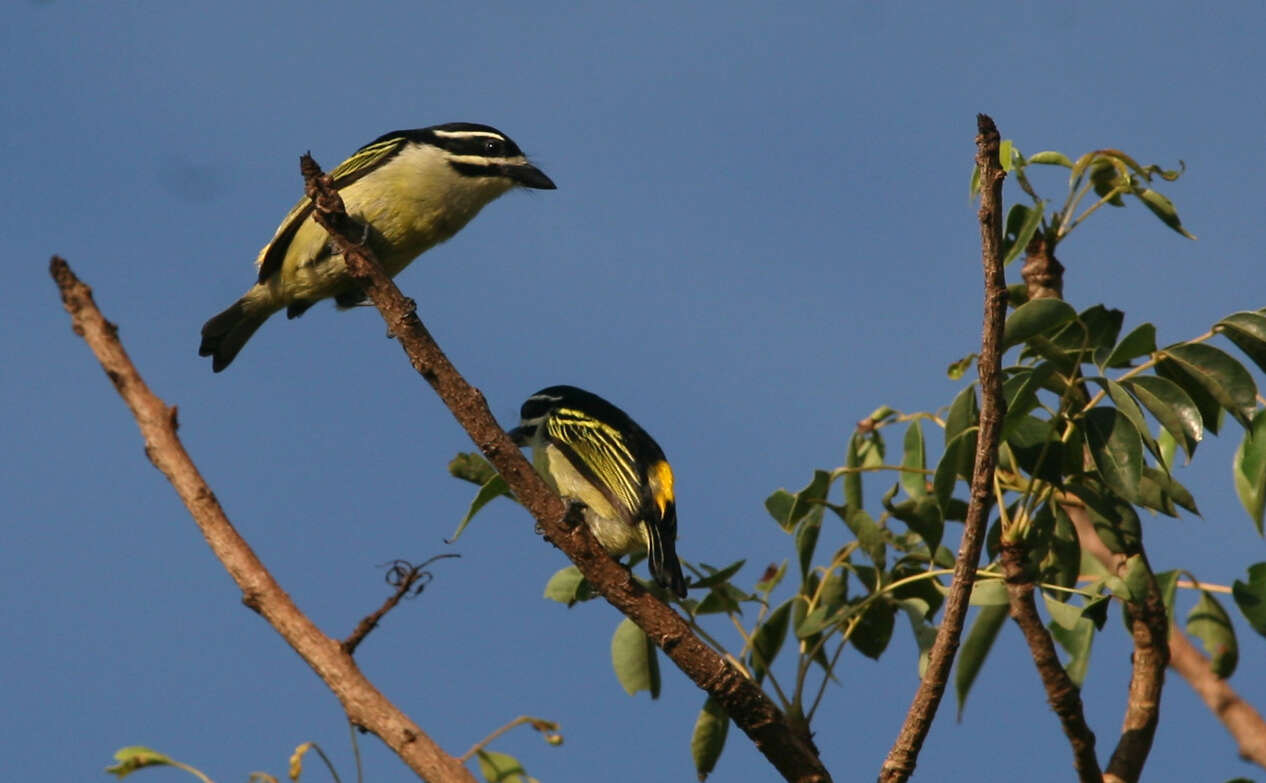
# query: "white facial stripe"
[[481, 160], [469, 135]]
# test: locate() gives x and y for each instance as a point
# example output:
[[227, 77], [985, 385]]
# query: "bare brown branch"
[[365, 706], [1149, 627], [899, 764], [1042, 273], [1242, 721], [1061, 693], [790, 751]]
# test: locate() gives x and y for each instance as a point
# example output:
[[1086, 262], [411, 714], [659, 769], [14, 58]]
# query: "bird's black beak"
[[530, 176], [522, 436]]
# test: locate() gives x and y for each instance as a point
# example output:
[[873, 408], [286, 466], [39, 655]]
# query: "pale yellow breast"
[[413, 203], [615, 534]]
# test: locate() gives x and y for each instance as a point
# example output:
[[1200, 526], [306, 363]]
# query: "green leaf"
[[959, 368], [1222, 377], [801, 503], [869, 534], [708, 739], [1107, 180], [768, 638], [807, 540], [1100, 328], [1168, 447], [1164, 209], [914, 456], [963, 413], [1115, 520], [1209, 623], [923, 516], [1210, 410], [1077, 642], [633, 658], [499, 767], [989, 592], [924, 632], [1160, 491], [1249, 470], [1250, 596], [471, 466], [1137, 578], [874, 630], [1248, 331], [1051, 158], [984, 630], [958, 459], [1039, 316], [1116, 450], [810, 497], [1130, 409], [1167, 582], [779, 506], [853, 480], [1027, 220], [1096, 610], [717, 576], [1020, 390], [567, 586], [1062, 563], [1171, 406], [814, 622], [135, 757], [1007, 154], [1063, 615], [495, 488], [1033, 445], [1139, 342]]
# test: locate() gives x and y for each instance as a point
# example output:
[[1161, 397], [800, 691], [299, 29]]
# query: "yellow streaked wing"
[[603, 454], [363, 161]]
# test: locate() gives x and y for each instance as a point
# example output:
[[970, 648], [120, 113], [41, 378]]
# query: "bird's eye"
[[492, 147]]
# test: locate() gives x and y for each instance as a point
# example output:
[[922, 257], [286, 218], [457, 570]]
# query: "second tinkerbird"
[[595, 456], [410, 189]]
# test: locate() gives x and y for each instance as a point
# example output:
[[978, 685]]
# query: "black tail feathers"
[[662, 557], [225, 334]]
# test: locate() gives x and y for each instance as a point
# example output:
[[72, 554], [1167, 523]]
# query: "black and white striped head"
[[475, 150]]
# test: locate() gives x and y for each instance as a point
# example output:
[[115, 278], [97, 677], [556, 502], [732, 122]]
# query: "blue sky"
[[761, 233]]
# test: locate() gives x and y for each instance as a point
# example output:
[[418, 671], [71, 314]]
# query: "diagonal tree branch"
[[790, 751], [899, 764], [364, 704], [1242, 721]]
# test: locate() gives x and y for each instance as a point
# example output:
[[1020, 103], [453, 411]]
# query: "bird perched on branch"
[[411, 189], [592, 453]]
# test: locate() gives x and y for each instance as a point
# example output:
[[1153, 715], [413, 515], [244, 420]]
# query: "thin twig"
[[539, 724], [789, 748], [364, 705], [408, 579], [899, 764]]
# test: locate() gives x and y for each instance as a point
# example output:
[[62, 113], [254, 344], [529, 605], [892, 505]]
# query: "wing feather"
[[602, 457], [362, 162]]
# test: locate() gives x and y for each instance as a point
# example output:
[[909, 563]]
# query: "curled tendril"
[[411, 579]]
